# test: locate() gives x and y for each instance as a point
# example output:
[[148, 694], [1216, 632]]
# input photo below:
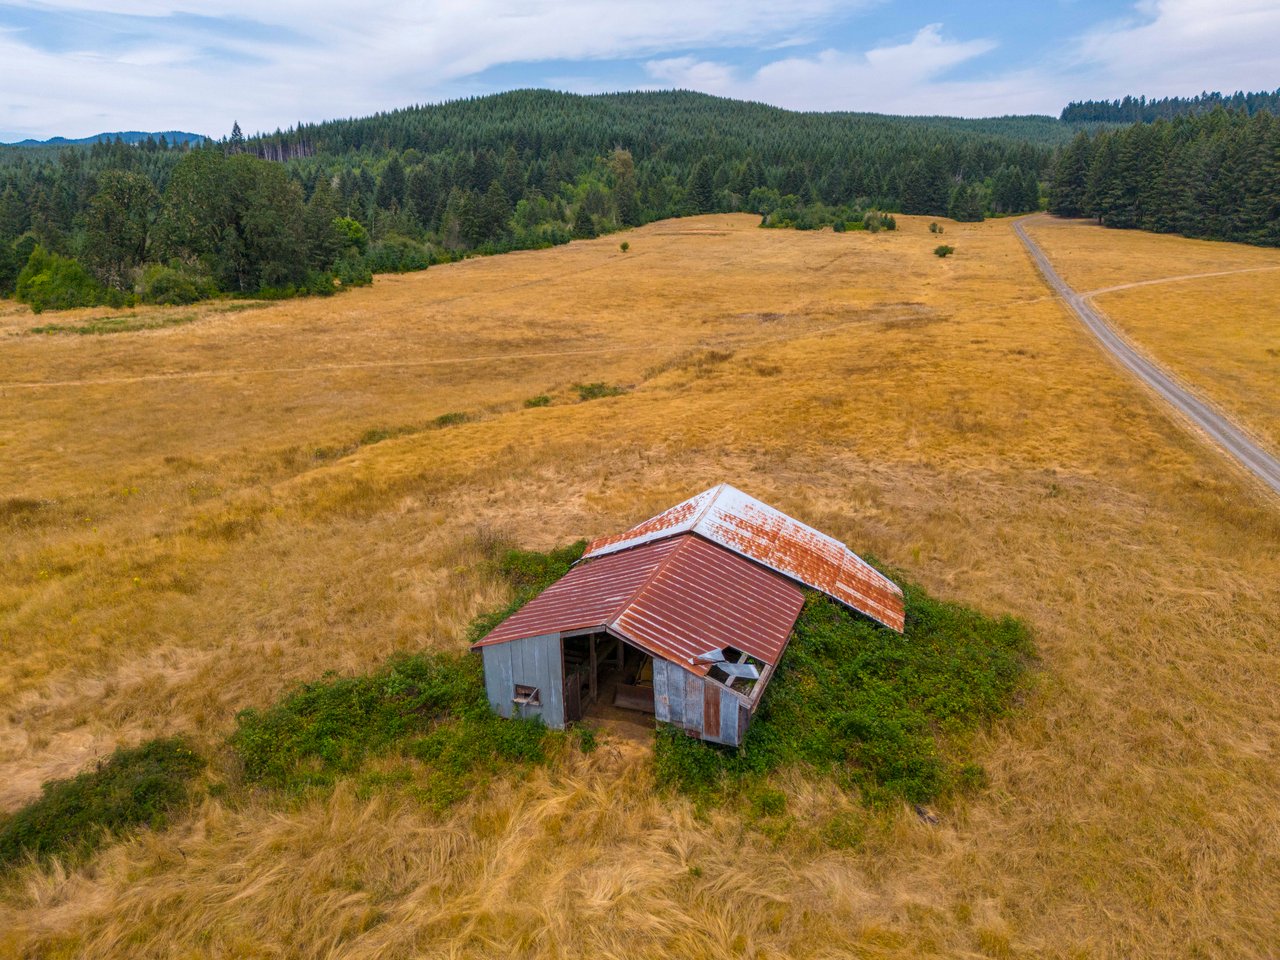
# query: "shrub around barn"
[[883, 713], [431, 707]]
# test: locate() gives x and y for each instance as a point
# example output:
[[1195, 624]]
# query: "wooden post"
[[621, 662], [593, 668]]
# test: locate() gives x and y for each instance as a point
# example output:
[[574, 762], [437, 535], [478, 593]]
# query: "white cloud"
[[1182, 47], [391, 53], [270, 64], [1164, 48], [901, 78]]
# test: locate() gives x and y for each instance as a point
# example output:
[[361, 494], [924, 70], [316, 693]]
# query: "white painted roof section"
[[726, 516]]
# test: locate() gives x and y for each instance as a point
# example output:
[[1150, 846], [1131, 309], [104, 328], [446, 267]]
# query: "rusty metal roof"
[[730, 518], [676, 598]]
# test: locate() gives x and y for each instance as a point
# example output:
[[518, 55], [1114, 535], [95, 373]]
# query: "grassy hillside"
[[319, 208], [199, 516]]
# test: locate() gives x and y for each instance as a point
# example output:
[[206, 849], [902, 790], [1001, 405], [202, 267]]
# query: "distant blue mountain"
[[128, 136]]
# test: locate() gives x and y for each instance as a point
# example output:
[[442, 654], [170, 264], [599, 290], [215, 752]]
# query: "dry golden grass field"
[[191, 526], [1207, 312]]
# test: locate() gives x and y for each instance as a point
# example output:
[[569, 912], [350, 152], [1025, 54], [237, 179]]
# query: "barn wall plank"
[[661, 694], [729, 718], [553, 686], [675, 693], [498, 682], [534, 661], [694, 687]]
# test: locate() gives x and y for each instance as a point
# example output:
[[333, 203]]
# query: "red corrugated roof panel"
[[706, 598], [590, 595], [740, 523], [676, 598]]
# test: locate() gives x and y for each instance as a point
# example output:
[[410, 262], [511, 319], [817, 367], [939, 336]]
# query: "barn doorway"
[[607, 678]]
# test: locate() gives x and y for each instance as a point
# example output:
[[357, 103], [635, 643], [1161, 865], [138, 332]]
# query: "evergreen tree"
[[14, 214], [1100, 187], [965, 205], [494, 212], [9, 268], [391, 185], [701, 193], [1030, 191], [583, 226], [422, 195], [512, 175], [926, 189], [325, 241], [484, 170]]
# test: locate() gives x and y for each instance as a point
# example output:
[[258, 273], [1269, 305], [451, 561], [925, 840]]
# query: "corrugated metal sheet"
[[706, 598], [676, 598], [727, 516]]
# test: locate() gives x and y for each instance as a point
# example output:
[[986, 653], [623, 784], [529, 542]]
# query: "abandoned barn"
[[685, 616]]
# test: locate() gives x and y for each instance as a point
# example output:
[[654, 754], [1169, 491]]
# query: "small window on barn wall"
[[527, 695]]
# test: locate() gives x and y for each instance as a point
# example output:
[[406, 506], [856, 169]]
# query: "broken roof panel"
[[675, 598], [728, 517]]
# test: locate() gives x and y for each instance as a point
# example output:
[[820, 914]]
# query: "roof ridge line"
[[718, 489]]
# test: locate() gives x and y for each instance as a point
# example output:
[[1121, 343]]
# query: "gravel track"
[[1225, 434]]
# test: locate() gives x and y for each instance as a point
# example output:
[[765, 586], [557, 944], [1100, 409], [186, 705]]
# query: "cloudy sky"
[[77, 67]]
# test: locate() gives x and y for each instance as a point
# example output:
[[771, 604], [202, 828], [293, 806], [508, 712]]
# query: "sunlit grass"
[[174, 552]]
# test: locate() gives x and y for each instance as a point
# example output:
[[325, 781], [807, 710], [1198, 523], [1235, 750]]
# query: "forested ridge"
[[1215, 176], [322, 206], [1141, 110]]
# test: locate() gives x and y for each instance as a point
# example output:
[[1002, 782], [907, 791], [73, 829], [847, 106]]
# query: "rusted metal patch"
[[730, 518]]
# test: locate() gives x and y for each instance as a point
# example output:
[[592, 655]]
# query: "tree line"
[[1215, 176], [1141, 110], [320, 207]]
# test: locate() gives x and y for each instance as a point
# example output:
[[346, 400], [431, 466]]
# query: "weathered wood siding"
[[534, 662], [688, 701]]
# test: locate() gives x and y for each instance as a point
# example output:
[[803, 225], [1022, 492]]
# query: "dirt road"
[[1221, 430]]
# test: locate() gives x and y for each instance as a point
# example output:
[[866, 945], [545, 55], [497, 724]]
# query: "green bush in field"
[[173, 286], [594, 391], [450, 419], [869, 706], [53, 282], [875, 221], [942, 250], [352, 272], [134, 787], [397, 254]]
